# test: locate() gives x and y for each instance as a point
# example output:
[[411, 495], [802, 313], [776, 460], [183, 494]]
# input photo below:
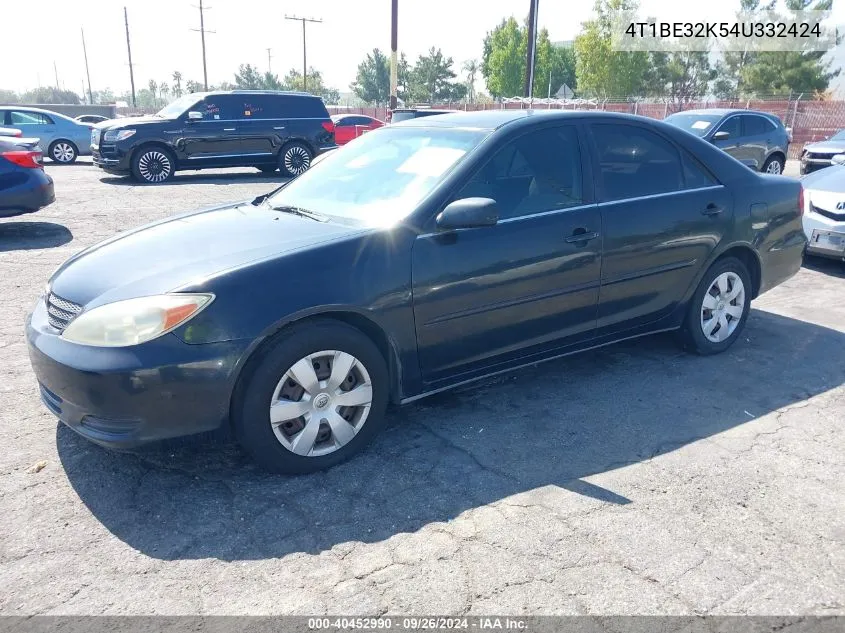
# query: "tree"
[[471, 68], [177, 84], [163, 91], [8, 96], [503, 59], [103, 96], [153, 87], [431, 79], [193, 86], [248, 78], [403, 78], [682, 76], [49, 96], [315, 86], [372, 82], [553, 66], [601, 71], [271, 82]]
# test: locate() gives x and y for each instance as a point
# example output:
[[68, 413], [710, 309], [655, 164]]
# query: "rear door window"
[[25, 118], [756, 125], [296, 107]]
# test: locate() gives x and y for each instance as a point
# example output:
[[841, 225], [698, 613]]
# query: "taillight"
[[23, 158], [18, 134], [328, 126], [801, 200]]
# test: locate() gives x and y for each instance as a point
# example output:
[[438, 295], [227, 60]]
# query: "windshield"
[[172, 110], [381, 177], [839, 136], [698, 124]]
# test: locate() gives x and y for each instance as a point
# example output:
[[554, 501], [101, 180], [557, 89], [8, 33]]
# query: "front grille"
[[820, 155], [60, 312], [838, 217]]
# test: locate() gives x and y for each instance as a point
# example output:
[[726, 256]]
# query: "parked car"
[[420, 257], [62, 138], [351, 126], [10, 131], [24, 187], [818, 155], [824, 210], [404, 114], [240, 128], [757, 139], [91, 118]]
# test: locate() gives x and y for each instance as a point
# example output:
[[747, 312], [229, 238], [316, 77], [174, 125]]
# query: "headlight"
[[134, 321], [118, 135]]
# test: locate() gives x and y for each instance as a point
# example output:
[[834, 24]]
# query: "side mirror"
[[839, 159], [193, 115], [721, 136], [469, 213]]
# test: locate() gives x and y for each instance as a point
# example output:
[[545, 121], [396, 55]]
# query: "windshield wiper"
[[304, 213]]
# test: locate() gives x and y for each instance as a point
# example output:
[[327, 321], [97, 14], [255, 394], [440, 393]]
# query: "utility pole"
[[57, 75], [532, 42], [202, 31], [394, 74], [304, 61], [129, 51], [87, 74], [269, 63]]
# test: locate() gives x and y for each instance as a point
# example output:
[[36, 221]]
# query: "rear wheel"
[[153, 165], [774, 165], [63, 152], [295, 158], [316, 397], [719, 308]]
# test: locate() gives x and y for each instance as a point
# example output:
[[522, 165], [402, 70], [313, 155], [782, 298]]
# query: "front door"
[[488, 296], [214, 139], [662, 213], [733, 144], [33, 125]]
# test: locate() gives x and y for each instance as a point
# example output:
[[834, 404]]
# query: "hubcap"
[[63, 152], [722, 308], [321, 403], [774, 167], [297, 160], [154, 166]]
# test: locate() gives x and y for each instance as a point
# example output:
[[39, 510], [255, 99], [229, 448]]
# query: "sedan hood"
[[186, 249], [826, 147], [830, 179], [128, 122]]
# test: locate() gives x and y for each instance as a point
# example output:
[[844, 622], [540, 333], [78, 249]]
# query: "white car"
[[824, 210]]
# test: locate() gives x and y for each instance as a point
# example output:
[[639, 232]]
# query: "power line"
[[129, 52], [87, 74], [304, 64], [202, 31]]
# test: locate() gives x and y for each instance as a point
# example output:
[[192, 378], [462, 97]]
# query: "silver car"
[[63, 138], [818, 155]]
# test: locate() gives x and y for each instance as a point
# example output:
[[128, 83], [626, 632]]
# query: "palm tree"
[[163, 91], [154, 89], [471, 68], [177, 84]]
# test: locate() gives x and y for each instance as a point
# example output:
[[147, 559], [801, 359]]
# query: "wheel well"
[[370, 329], [300, 141], [777, 155], [752, 263], [63, 140]]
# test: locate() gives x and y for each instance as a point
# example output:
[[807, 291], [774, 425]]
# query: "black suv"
[[239, 128]]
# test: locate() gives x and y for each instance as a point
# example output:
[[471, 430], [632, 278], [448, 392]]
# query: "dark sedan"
[[24, 187], [422, 256]]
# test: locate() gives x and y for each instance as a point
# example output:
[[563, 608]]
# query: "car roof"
[[287, 93], [495, 119], [725, 112]]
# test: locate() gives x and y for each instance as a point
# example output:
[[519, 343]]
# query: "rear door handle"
[[279, 127], [228, 129], [581, 235], [712, 209]]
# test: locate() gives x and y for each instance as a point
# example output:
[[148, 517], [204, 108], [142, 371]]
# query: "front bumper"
[[814, 222], [125, 397], [809, 165], [111, 159]]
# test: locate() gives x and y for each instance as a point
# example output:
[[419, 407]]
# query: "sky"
[[162, 39]]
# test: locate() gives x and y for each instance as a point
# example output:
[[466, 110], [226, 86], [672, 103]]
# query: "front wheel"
[[153, 165], [774, 165], [316, 397], [295, 158], [63, 152], [719, 308]]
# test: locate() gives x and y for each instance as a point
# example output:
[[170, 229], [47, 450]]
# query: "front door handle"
[[712, 209], [228, 129], [581, 235]]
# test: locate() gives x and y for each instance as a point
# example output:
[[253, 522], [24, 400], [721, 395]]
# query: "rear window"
[[402, 116]]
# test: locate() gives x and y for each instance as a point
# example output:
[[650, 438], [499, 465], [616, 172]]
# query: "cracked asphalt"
[[636, 479]]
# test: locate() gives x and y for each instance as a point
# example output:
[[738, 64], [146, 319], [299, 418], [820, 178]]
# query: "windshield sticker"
[[701, 125], [431, 161]]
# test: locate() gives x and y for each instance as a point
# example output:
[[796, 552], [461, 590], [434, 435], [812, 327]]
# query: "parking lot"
[[632, 479]]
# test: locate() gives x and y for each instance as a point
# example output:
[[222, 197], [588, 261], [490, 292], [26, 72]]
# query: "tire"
[[773, 165], [295, 158], [698, 317], [62, 152], [272, 373], [268, 169], [153, 165]]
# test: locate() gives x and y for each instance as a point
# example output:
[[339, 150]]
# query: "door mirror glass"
[[839, 159], [469, 213], [721, 135], [193, 115]]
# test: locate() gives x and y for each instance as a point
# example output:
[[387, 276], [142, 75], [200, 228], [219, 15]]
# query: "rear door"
[[487, 296], [757, 137], [33, 125], [662, 213], [214, 139]]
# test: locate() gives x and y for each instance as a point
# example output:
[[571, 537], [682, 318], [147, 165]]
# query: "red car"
[[350, 126]]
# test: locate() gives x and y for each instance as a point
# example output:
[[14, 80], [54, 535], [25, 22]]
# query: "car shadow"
[[553, 424], [201, 178], [833, 267], [29, 236]]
